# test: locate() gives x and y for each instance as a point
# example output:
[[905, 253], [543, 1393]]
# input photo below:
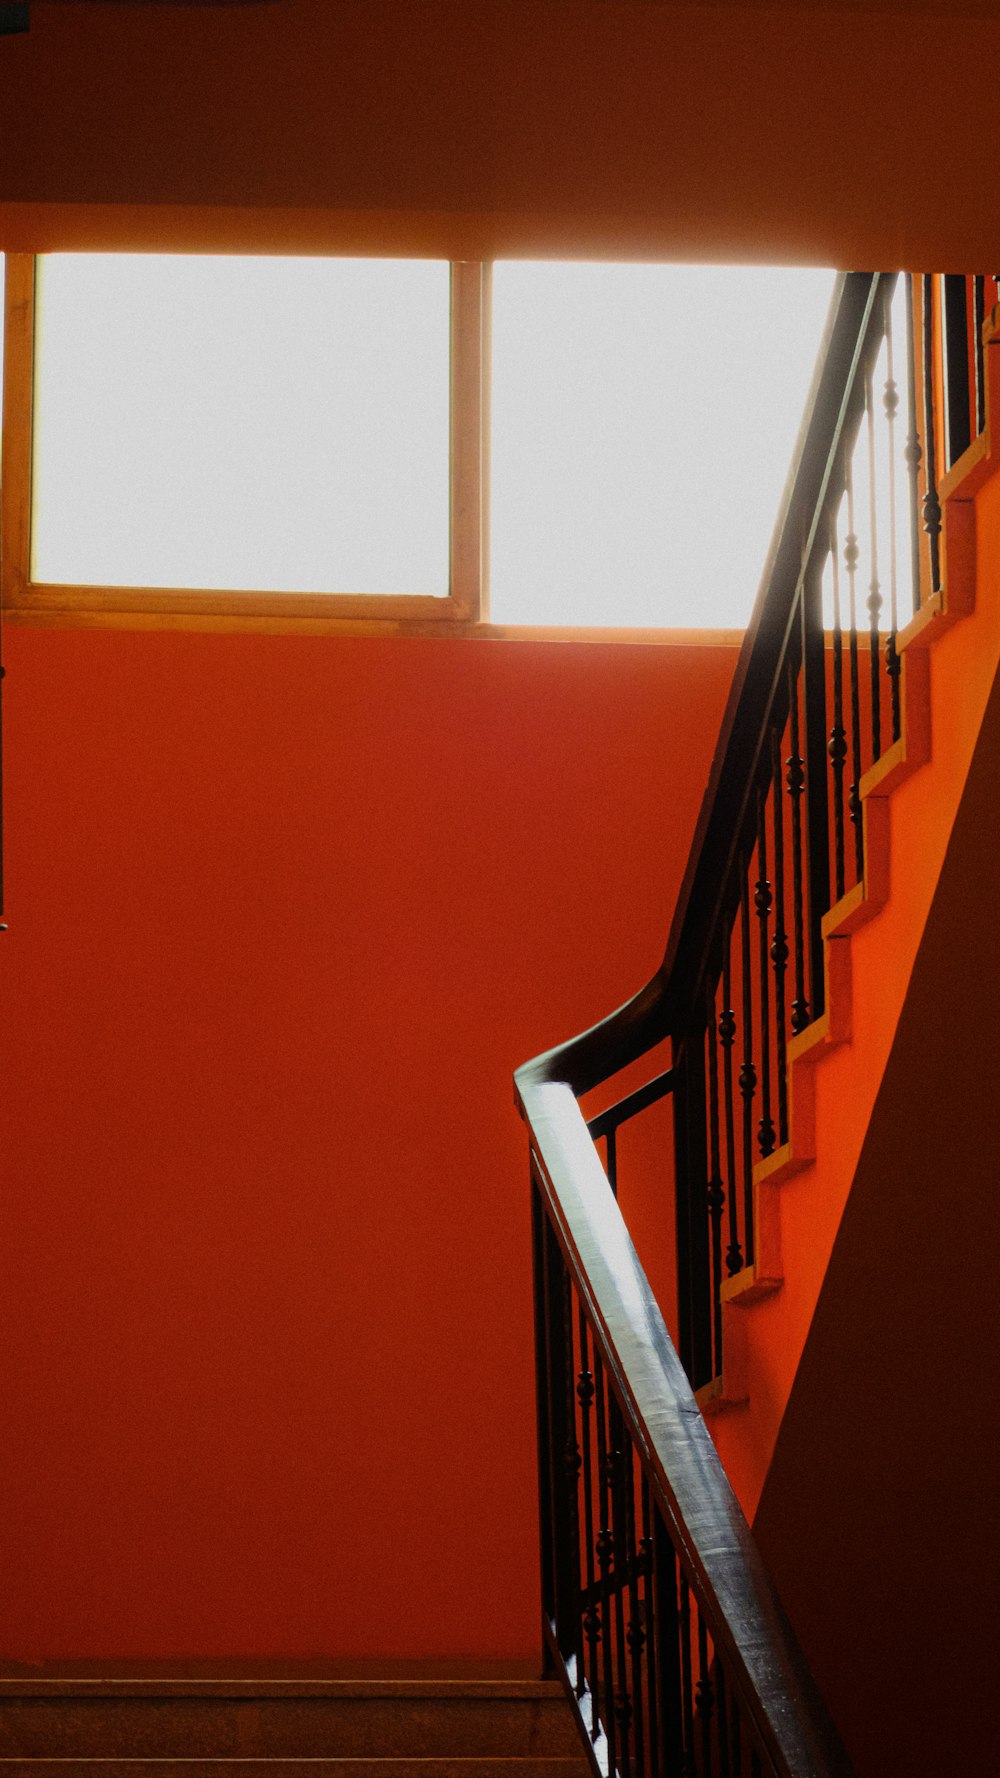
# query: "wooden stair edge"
[[402, 1766], [138, 1719]]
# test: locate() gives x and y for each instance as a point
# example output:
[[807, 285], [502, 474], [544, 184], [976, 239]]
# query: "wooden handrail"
[[749, 1630], [743, 972], [645, 1020]]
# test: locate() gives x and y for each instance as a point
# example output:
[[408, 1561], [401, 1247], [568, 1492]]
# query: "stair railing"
[[657, 1613], [655, 1609]]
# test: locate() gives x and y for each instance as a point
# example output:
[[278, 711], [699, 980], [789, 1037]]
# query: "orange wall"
[[284, 914], [838, 133]]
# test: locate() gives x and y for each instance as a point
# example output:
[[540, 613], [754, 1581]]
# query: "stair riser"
[[273, 1768], [295, 1727]]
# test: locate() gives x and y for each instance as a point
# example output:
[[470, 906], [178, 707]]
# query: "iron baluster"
[[851, 554], [727, 1037], [616, 1471], [605, 1557], [955, 361], [651, 1627], [668, 1669], [838, 734], [543, 1400], [694, 1300], [978, 318], [562, 1417], [779, 942], [592, 1614], [635, 1633], [704, 1697], [715, 1195], [913, 453], [931, 504], [748, 1073], [688, 1762], [891, 405], [817, 805], [874, 590], [722, 1719], [763, 899], [796, 780], [572, 1463]]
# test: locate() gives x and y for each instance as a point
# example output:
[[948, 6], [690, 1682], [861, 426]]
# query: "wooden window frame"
[[464, 607]]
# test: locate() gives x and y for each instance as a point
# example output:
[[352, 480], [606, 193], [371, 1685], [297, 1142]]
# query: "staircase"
[[949, 654], [842, 762]]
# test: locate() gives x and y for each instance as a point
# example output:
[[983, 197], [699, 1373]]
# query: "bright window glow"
[[644, 418], [272, 424], [883, 528]]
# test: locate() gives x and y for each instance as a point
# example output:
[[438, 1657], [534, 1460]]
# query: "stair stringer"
[[909, 800]]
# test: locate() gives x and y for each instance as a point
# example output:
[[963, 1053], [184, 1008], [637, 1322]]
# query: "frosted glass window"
[[644, 417], [271, 424]]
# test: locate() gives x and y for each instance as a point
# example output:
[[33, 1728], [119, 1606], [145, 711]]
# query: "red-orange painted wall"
[[284, 914]]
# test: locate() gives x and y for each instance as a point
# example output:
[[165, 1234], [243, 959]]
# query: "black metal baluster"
[[796, 780], [838, 734], [605, 1556], [592, 1614], [611, 1150], [874, 590], [649, 1622], [546, 1531], [566, 1565], [851, 553], [572, 1465], [716, 1195], [817, 804], [635, 1633], [722, 1718], [763, 899], [913, 453], [779, 943], [736, 1736], [931, 504], [890, 401], [748, 1073], [704, 1698], [955, 356], [616, 1473], [694, 1272], [727, 1037], [668, 1664], [978, 318], [689, 1762]]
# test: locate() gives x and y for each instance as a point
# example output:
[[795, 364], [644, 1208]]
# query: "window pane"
[[644, 417], [273, 424]]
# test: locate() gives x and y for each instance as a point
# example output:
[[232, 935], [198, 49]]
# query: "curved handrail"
[[639, 1526], [650, 1015], [750, 1634], [583, 1250]]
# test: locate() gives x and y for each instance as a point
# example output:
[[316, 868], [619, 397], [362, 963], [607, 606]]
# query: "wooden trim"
[[471, 283], [182, 607], [18, 390], [31, 616], [127, 602], [463, 614]]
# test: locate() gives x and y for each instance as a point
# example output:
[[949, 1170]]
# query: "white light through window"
[[644, 417], [223, 422]]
